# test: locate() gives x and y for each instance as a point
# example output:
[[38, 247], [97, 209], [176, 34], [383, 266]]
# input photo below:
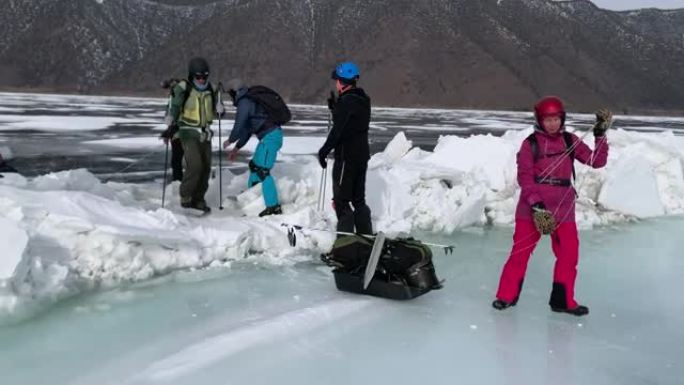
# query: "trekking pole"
[[220, 100], [166, 170], [325, 187], [166, 84], [292, 237], [319, 205], [324, 177]]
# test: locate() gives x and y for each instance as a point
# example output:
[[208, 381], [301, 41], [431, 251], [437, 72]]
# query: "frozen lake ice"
[[263, 325]]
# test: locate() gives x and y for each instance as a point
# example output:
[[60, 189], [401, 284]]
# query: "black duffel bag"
[[405, 269]]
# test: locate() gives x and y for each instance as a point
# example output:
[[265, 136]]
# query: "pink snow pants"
[[565, 245]]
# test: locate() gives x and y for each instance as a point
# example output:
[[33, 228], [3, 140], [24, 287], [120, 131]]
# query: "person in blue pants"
[[251, 118], [262, 162]]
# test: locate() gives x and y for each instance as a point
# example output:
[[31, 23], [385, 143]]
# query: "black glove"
[[169, 132], [321, 159], [233, 94], [604, 119], [538, 206], [169, 83], [332, 101]]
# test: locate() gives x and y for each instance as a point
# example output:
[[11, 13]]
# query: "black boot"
[[579, 310], [197, 205], [558, 303], [501, 304], [202, 206], [273, 210]]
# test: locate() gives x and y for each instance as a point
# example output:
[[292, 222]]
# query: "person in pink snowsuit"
[[545, 174]]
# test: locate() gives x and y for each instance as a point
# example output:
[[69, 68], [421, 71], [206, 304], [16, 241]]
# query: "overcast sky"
[[634, 4]]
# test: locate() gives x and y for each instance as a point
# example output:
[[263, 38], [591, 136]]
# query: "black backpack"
[[187, 88], [569, 148], [272, 103]]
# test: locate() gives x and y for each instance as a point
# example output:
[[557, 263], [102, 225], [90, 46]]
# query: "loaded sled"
[[403, 266]]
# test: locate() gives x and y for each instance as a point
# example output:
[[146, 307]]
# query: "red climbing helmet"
[[549, 106]]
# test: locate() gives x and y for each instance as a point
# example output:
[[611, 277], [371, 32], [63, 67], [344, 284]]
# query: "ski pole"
[[220, 100], [292, 238], [166, 170], [320, 191], [324, 176], [166, 84], [325, 170]]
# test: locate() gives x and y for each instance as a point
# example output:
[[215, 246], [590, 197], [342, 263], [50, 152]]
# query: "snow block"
[[13, 240], [394, 151], [485, 156], [631, 188]]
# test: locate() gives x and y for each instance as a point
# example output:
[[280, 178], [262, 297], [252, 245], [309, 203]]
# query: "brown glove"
[[543, 219], [604, 119]]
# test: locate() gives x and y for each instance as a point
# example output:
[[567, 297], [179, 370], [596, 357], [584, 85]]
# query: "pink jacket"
[[560, 200]]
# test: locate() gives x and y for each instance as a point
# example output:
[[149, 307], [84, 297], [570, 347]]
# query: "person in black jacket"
[[349, 138]]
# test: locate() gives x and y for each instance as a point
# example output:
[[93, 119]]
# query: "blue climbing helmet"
[[346, 72]]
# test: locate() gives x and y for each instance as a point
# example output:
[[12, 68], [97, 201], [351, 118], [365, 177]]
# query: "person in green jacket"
[[194, 106]]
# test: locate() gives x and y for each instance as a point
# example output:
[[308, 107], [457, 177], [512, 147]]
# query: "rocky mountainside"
[[438, 53]]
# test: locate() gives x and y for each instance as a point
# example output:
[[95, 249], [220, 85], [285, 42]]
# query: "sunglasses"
[[203, 76]]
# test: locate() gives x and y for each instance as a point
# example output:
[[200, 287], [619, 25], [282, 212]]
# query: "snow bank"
[[67, 232], [472, 181]]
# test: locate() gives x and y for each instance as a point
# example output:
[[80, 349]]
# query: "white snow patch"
[[135, 143], [294, 145], [51, 123]]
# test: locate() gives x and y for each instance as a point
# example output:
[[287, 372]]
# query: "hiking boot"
[[202, 205], [273, 210], [579, 310], [558, 302], [501, 304], [197, 205]]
